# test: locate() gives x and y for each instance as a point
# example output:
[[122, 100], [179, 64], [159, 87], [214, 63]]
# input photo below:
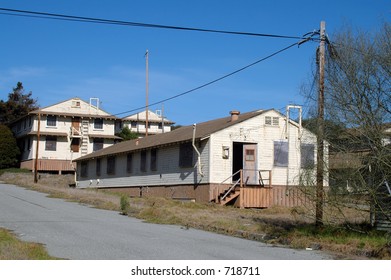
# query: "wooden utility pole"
[[320, 136], [37, 150], [146, 94]]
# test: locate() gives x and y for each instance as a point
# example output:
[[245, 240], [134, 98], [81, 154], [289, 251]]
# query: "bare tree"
[[358, 97]]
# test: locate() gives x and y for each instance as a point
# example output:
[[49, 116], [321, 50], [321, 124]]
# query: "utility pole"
[[320, 136], [36, 150], [146, 94]]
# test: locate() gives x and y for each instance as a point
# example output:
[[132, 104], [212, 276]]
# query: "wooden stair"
[[232, 195]]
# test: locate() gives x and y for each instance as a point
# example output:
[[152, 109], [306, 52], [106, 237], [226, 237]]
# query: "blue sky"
[[58, 60]]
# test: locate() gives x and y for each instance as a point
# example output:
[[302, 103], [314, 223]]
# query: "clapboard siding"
[[168, 171]]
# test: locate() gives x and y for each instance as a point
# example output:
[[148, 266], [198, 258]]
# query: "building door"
[[245, 157], [76, 126], [250, 172]]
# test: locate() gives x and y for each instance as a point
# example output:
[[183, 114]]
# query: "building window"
[[51, 143], [98, 167], [307, 156], [111, 165], [143, 161], [98, 123], [76, 103], [250, 155], [281, 153], [129, 163], [153, 163], [51, 121], [84, 169], [98, 144], [133, 124], [186, 155], [274, 121]]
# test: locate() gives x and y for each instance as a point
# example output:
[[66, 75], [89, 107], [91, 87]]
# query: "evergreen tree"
[[18, 105], [9, 150]]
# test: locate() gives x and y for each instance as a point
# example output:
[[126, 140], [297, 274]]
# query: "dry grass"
[[283, 226], [13, 249]]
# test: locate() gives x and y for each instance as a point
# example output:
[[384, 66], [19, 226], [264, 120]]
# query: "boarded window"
[[51, 121], [98, 124], [98, 144], [111, 165], [307, 155], [51, 143], [281, 153], [75, 145], [143, 161], [84, 169], [186, 155], [98, 167], [153, 163], [129, 163]]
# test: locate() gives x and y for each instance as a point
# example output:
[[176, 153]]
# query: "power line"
[[53, 16], [213, 81]]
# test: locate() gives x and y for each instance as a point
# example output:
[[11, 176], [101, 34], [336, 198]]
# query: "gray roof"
[[182, 134]]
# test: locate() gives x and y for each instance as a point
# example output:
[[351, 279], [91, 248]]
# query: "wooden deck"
[[257, 196]]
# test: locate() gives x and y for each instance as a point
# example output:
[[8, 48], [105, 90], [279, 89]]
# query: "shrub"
[[124, 204], [9, 150]]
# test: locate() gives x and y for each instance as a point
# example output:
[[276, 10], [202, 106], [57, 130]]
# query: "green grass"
[[14, 170], [12, 248]]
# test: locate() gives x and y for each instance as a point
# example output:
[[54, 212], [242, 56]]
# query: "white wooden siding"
[[168, 171]]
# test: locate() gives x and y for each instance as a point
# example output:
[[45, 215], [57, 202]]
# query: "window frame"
[[50, 143], [280, 153], [84, 169], [129, 163], [110, 168], [186, 155], [154, 158], [143, 161], [51, 121], [98, 123], [96, 142], [98, 166]]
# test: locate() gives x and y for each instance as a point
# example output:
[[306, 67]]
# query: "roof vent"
[[234, 115]]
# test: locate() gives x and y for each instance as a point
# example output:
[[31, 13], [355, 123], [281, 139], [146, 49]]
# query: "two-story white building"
[[58, 134], [137, 123]]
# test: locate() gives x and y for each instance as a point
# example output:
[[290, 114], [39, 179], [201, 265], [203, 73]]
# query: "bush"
[[124, 204], [9, 150]]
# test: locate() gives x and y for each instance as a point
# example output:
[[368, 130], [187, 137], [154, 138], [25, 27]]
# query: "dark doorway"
[[237, 159]]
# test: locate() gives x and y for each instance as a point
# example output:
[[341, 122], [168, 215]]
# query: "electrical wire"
[[213, 81], [43, 15]]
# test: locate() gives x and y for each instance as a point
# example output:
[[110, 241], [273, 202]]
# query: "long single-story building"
[[254, 159]]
